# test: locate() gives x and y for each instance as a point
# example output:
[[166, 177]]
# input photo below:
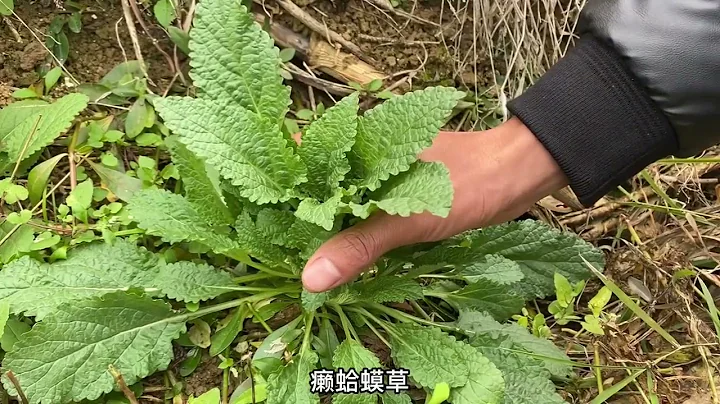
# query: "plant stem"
[[230, 304], [404, 317], [251, 278], [120, 381], [309, 318], [257, 316], [345, 323], [226, 379]]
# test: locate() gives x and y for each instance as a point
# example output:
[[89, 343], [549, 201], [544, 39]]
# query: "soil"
[[396, 44], [93, 52]]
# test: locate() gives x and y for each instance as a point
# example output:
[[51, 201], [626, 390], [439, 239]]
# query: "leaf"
[[14, 328], [430, 355], [202, 184], [173, 218], [180, 38], [54, 363], [245, 148], [321, 214], [35, 288], [52, 77], [539, 250], [74, 22], [16, 244], [291, 384], [392, 398], [80, 199], [39, 176], [324, 145], [484, 296], [526, 380], [209, 397], [225, 336], [25, 93], [6, 7], [494, 268], [120, 184], [199, 334], [307, 237], [386, 289], [482, 325], [391, 135], [274, 224], [352, 355], [259, 247], [424, 187], [164, 12], [485, 383], [326, 342], [42, 123], [313, 301], [234, 61], [600, 300], [4, 316], [138, 117], [190, 282]]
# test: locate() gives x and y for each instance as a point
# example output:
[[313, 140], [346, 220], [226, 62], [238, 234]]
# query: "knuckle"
[[363, 246]]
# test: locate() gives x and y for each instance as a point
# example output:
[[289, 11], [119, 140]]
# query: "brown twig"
[[12, 29], [168, 59], [122, 385], [322, 29], [386, 5], [10, 375], [130, 23]]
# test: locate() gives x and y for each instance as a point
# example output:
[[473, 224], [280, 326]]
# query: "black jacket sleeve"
[[642, 82]]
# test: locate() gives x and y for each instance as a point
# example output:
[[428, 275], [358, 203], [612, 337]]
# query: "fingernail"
[[321, 275]]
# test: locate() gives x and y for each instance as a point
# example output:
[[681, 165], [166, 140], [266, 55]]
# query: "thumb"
[[347, 254]]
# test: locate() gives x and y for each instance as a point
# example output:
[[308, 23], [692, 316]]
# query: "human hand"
[[497, 175]]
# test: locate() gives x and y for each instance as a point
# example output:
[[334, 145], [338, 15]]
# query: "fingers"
[[351, 251]]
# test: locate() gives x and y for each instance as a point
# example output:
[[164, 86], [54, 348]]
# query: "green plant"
[[256, 205]]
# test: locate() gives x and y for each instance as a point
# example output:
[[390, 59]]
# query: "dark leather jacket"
[[641, 83]]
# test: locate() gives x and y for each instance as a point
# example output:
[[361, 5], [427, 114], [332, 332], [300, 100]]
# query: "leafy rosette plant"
[[251, 195]]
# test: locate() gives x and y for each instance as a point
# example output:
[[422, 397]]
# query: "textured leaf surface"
[[486, 296], [307, 237], [424, 187], [495, 268], [352, 355], [431, 355], [202, 184], [387, 289], [259, 247], [392, 398], [319, 213], [539, 250], [526, 380], [313, 301], [391, 135], [45, 123], [274, 224], [234, 60], [482, 325], [35, 288], [324, 145], [190, 282], [173, 218], [291, 384], [66, 356], [247, 149], [485, 382]]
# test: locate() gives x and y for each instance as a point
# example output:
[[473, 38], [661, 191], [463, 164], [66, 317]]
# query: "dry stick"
[[12, 29], [154, 41], [385, 4], [25, 146], [71, 158], [127, 13], [322, 29], [122, 385], [10, 375]]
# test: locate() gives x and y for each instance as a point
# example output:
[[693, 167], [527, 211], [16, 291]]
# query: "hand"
[[497, 176]]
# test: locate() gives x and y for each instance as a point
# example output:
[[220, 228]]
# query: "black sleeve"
[[641, 83]]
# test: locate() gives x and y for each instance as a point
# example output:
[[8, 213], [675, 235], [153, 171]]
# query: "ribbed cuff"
[[595, 119]]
